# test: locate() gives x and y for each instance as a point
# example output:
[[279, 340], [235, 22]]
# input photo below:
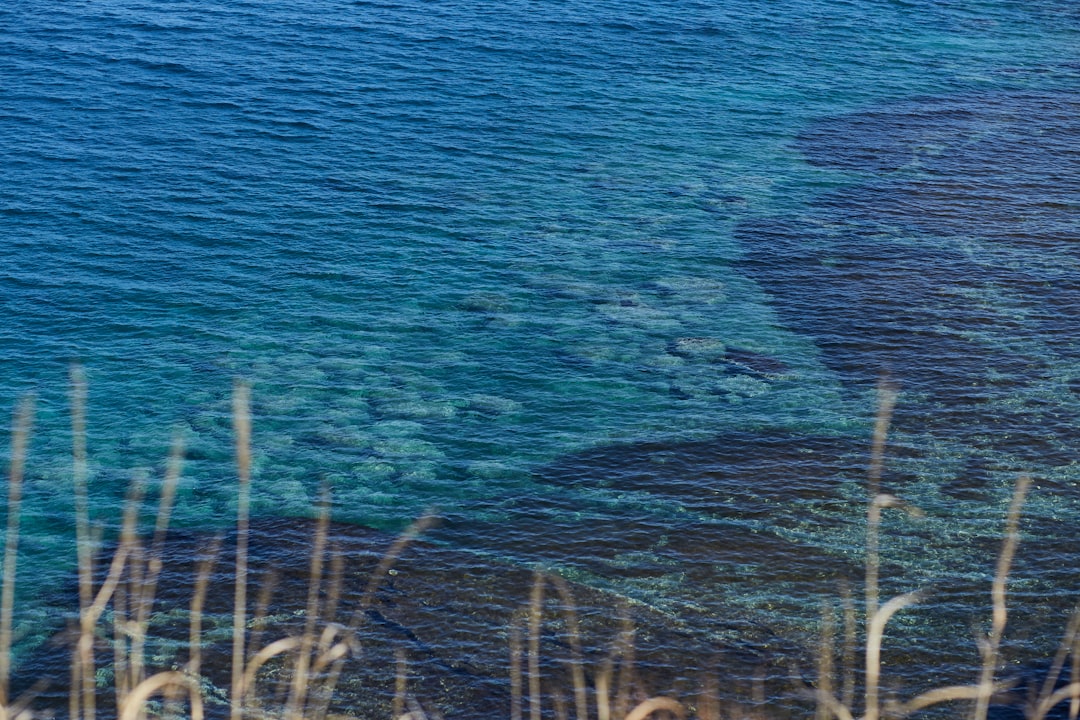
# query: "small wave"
[[153, 27], [281, 137], [167, 66], [340, 185], [12, 211], [211, 104]]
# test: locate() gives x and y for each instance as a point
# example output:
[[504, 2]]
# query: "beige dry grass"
[[306, 667]]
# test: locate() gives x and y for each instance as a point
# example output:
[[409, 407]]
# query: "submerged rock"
[[754, 363], [698, 348]]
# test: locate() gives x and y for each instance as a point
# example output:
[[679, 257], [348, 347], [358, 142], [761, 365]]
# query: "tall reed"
[[542, 683]]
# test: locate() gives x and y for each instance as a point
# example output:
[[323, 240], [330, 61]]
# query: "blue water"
[[455, 247]]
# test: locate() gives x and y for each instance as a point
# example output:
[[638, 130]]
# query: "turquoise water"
[[500, 258]]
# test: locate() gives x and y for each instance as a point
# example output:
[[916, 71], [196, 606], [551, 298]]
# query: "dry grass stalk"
[[242, 429], [886, 403], [825, 658], [334, 658], [708, 699], [132, 599], [573, 634], [758, 686], [1066, 648], [847, 692], [83, 693], [515, 669], [647, 707], [991, 645], [878, 501], [337, 577], [536, 599], [401, 681], [147, 587], [982, 691], [624, 651], [1070, 691], [937, 696], [603, 691], [77, 397], [301, 680], [307, 692], [832, 706], [83, 545], [267, 586], [887, 393], [22, 422], [120, 646], [130, 586], [386, 564], [558, 702], [198, 602], [874, 635], [163, 682], [1074, 702], [877, 617], [136, 596]]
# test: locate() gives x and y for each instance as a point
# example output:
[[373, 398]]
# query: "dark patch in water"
[[877, 315], [678, 393], [740, 474], [450, 611], [1000, 166], [883, 277], [753, 363], [873, 304], [867, 275], [952, 266], [340, 185], [890, 136], [718, 542]]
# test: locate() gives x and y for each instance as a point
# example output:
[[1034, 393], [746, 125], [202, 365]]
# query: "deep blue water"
[[520, 260]]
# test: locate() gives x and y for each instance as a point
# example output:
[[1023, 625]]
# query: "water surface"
[[608, 283]]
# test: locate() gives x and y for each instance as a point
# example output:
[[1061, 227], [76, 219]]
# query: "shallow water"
[[608, 283]]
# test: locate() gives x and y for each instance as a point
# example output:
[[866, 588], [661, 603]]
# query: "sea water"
[[575, 270]]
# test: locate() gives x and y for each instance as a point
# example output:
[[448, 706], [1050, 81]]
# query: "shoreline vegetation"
[[145, 644]]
